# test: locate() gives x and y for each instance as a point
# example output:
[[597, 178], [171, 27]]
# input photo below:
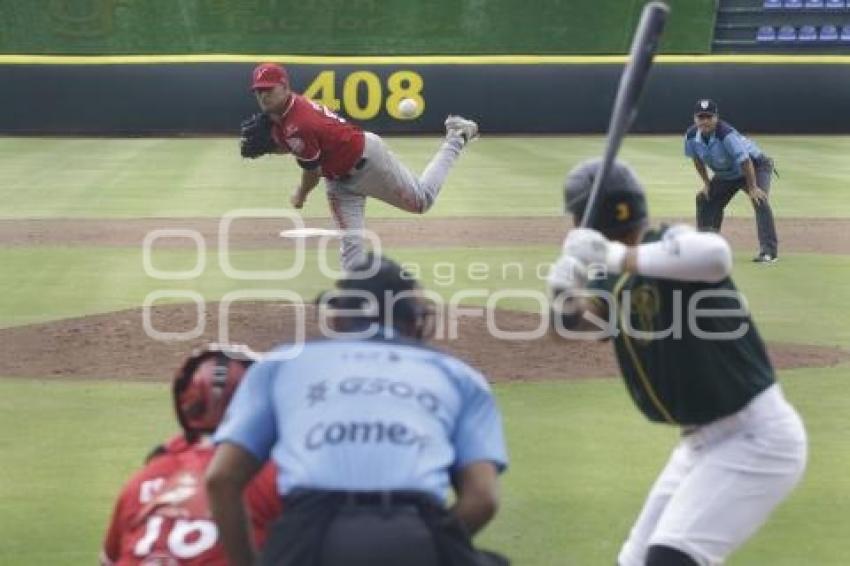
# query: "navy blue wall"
[[212, 98]]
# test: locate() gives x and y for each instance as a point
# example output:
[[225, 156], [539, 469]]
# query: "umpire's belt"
[[361, 163], [381, 499]]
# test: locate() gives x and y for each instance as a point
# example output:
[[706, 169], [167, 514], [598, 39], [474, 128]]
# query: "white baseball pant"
[[722, 482], [386, 178]]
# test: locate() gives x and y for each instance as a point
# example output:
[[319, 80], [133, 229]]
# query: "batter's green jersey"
[[706, 359]]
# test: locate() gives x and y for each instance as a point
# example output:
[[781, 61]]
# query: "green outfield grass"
[[498, 176], [583, 460]]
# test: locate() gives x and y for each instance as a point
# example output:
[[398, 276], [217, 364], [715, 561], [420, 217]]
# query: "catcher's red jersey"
[[312, 132], [162, 517]]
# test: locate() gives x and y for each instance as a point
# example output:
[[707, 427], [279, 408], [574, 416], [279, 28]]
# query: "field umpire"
[[743, 446], [738, 163], [368, 433]]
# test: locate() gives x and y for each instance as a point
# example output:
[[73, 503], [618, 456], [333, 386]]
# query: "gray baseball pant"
[[384, 177]]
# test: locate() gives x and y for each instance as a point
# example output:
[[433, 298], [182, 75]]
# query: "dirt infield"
[[804, 235], [115, 346]]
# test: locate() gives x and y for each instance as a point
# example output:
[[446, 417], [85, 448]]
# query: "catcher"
[[162, 515], [743, 446], [354, 163]]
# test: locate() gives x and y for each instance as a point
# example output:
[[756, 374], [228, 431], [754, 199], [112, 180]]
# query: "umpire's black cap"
[[705, 106], [395, 292], [621, 204]]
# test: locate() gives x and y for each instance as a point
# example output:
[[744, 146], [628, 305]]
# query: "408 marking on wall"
[[363, 95]]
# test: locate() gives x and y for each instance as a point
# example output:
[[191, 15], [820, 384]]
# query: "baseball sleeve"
[[112, 543], [119, 523], [478, 433], [250, 421], [308, 165], [684, 254], [307, 148], [734, 144], [689, 150]]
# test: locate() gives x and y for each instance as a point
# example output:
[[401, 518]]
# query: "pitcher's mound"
[[116, 346]]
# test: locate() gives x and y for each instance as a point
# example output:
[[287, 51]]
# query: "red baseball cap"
[[268, 75]]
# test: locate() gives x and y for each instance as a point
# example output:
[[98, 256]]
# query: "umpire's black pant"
[[721, 191], [332, 528], [366, 536]]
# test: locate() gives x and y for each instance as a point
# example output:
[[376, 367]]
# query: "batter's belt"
[[767, 404]]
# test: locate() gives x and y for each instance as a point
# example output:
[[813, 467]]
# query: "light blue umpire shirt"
[[366, 415], [724, 152]]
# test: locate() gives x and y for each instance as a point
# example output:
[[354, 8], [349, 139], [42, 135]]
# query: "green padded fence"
[[341, 27]]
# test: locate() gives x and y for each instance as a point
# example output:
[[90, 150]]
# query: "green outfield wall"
[[341, 27], [165, 96]]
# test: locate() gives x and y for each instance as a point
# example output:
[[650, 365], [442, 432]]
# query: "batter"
[[691, 356]]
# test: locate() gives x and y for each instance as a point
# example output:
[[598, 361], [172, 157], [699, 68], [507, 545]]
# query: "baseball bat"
[[644, 46]]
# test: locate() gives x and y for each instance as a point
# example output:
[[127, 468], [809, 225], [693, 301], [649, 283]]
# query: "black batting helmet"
[[621, 204]]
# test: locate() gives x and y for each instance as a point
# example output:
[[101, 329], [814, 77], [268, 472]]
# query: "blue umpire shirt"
[[366, 415], [724, 152]]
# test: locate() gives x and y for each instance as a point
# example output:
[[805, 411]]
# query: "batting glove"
[[593, 249], [567, 273]]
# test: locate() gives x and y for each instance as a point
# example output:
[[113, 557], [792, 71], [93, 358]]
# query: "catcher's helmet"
[[396, 295], [204, 385], [621, 204]]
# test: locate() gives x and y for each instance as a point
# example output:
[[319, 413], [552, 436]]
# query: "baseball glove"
[[256, 134]]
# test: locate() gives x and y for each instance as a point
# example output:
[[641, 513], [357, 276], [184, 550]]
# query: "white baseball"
[[407, 108]]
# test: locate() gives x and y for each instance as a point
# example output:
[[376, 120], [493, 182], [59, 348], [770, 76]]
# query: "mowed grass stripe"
[[497, 176]]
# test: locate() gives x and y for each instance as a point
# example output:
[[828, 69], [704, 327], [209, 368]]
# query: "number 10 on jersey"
[[400, 85]]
